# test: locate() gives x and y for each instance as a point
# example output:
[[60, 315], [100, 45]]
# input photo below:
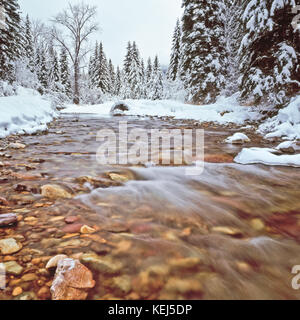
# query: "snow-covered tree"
[[28, 44], [102, 71], [118, 82], [156, 83], [65, 73], [10, 39], [270, 52], [204, 55], [176, 55], [112, 77]]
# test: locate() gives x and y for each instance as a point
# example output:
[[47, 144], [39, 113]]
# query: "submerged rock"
[[17, 145], [9, 246], [52, 263], [12, 267], [118, 109], [53, 191], [8, 219], [71, 281]]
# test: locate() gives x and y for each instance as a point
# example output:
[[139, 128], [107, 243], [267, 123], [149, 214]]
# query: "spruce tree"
[[204, 56], [270, 52], [173, 70], [28, 45], [118, 82], [10, 39], [157, 85], [102, 71], [112, 77], [65, 73]]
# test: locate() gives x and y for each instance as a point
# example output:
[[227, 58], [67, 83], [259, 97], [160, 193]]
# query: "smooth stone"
[[257, 224], [73, 228], [9, 246], [17, 291], [12, 267], [87, 230], [17, 145], [72, 219], [101, 265], [29, 277], [8, 219], [54, 261], [55, 192]]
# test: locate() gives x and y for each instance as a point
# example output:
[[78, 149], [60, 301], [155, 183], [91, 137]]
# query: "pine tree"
[[112, 77], [128, 59], [157, 85], [148, 78], [118, 82], [173, 71], [134, 76], [10, 39], [270, 52], [93, 73], [54, 73], [65, 73], [102, 71], [28, 45], [204, 55]]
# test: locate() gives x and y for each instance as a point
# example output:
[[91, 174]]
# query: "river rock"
[[71, 281], [17, 291], [105, 266], [3, 202], [8, 219], [72, 219], [118, 109], [9, 246], [87, 230], [17, 145], [53, 191], [54, 261], [12, 267], [73, 228]]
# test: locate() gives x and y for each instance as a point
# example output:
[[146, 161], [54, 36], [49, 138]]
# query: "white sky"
[[148, 22]]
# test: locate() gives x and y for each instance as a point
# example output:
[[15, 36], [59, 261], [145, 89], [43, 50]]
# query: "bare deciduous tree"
[[79, 23]]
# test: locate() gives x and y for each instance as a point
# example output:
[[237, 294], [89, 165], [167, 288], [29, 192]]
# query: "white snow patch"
[[237, 137], [225, 110], [26, 112], [286, 124], [266, 156]]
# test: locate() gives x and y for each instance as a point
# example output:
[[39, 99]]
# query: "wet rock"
[[218, 158], [228, 231], [48, 243], [3, 202], [17, 291], [9, 246], [72, 219], [12, 267], [105, 266], [29, 277], [22, 200], [118, 177], [44, 293], [121, 285], [72, 280], [185, 263], [8, 219], [237, 138], [73, 228], [257, 224], [119, 109], [27, 296], [52, 263], [183, 286], [16, 145], [55, 192], [87, 230]]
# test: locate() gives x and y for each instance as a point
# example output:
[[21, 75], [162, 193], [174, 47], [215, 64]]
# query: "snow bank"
[[266, 156], [225, 110], [26, 112], [237, 138], [286, 124]]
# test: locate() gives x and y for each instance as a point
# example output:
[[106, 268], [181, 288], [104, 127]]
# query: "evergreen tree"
[[157, 85], [65, 73], [118, 82], [173, 70], [93, 72], [10, 39], [128, 59], [102, 71], [28, 45], [270, 52], [112, 77], [54, 73], [42, 71], [204, 55]]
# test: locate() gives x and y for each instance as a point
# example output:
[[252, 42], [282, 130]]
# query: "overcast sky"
[[149, 22]]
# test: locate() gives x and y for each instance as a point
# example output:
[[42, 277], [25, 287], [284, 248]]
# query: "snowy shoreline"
[[25, 113]]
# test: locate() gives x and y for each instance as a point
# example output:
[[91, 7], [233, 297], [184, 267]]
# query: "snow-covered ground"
[[224, 111], [26, 112]]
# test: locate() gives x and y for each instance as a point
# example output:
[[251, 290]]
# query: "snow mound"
[[26, 112], [286, 124], [237, 138], [119, 109], [225, 110], [266, 156]]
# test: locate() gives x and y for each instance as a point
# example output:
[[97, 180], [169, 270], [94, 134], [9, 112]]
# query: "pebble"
[[87, 230], [9, 246], [55, 192], [29, 277], [17, 145], [105, 266], [8, 219], [72, 219], [12, 267], [73, 228], [257, 224], [17, 291]]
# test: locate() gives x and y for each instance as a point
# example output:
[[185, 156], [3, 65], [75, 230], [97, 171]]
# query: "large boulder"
[[119, 109]]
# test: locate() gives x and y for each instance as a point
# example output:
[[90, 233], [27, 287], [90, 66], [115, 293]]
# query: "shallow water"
[[230, 233]]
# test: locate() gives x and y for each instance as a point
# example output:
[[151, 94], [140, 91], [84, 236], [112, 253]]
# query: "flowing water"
[[230, 233]]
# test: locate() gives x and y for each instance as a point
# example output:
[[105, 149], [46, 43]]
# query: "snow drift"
[[225, 110], [26, 112]]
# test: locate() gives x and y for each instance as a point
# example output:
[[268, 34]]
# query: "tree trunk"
[[76, 99]]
